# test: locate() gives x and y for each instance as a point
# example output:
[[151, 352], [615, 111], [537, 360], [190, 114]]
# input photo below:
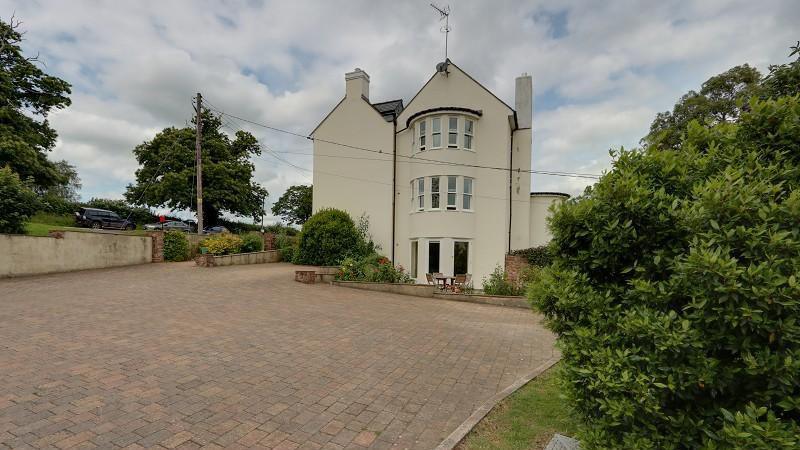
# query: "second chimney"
[[523, 100], [357, 83]]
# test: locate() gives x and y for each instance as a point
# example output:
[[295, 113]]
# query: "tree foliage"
[[675, 290], [17, 202], [166, 177], [294, 206], [716, 102], [27, 96]]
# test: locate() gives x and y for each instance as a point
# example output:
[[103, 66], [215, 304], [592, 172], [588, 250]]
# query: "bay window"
[[452, 132], [451, 193], [468, 132], [434, 192], [421, 193], [422, 131], [467, 204], [436, 130]]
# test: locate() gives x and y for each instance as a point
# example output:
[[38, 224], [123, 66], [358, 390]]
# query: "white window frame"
[[436, 193], [452, 191], [469, 134], [467, 195], [420, 194], [452, 132], [422, 130], [436, 134]]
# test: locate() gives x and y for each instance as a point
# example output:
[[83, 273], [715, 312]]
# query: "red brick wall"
[[269, 241], [158, 245], [514, 266]]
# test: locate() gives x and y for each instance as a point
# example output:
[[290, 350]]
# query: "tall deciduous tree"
[[166, 177], [27, 96], [294, 206], [718, 101]]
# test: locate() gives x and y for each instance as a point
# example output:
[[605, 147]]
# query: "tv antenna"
[[444, 14]]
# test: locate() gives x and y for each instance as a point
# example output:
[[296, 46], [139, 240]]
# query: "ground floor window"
[[460, 257], [433, 256]]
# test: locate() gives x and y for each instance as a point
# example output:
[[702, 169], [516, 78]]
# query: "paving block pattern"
[[177, 356]]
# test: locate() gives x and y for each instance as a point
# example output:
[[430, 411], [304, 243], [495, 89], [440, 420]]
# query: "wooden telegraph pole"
[[199, 162]]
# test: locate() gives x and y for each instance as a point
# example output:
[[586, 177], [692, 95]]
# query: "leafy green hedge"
[[675, 292], [176, 246], [536, 256], [252, 242]]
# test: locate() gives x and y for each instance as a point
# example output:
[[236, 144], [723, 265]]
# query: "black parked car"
[[102, 218], [216, 230], [170, 225]]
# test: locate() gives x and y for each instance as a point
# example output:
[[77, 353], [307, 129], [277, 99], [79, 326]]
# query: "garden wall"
[[65, 251], [269, 256], [419, 290], [515, 264]]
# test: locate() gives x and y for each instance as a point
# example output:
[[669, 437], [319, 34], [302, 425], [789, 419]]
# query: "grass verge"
[[527, 419]]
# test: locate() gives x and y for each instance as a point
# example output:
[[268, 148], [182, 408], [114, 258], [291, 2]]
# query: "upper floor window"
[[436, 132], [422, 134], [468, 131], [451, 193], [421, 193], [434, 192], [467, 204], [452, 132]]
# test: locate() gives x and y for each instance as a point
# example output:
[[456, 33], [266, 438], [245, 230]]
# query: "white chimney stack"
[[357, 83], [523, 100]]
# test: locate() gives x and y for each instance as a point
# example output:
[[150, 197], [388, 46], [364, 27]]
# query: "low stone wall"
[[269, 256], [428, 291], [497, 300], [418, 290], [66, 251]]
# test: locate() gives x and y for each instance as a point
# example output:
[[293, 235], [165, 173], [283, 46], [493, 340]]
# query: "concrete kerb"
[[461, 432]]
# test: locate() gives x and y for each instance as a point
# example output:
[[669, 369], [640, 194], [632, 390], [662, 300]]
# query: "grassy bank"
[[525, 420]]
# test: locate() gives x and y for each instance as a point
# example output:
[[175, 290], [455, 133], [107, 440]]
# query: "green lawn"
[[526, 419], [41, 223]]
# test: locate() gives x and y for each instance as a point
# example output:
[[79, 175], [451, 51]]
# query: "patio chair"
[[430, 279], [459, 283], [440, 283]]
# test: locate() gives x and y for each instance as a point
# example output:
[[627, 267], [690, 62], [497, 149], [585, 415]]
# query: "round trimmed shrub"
[[176, 246], [17, 202], [327, 238], [674, 291]]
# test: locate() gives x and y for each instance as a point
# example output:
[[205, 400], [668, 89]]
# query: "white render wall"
[[540, 211], [356, 181], [358, 185]]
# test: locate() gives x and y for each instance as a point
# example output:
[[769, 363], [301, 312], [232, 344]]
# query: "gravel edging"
[[461, 432]]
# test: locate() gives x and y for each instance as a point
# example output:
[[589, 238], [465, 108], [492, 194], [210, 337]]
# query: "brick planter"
[[206, 260]]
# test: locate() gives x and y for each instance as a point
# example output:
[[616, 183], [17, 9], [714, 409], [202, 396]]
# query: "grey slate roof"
[[390, 108]]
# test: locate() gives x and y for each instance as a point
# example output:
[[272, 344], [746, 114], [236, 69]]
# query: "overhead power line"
[[415, 158]]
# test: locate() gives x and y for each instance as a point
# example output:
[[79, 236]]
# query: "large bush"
[[176, 246], [222, 244], [252, 242], [675, 292], [374, 268], [17, 202], [327, 238]]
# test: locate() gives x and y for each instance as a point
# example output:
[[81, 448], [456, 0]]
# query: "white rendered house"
[[433, 177]]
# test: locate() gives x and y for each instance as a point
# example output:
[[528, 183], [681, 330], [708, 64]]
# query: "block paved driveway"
[[177, 356]]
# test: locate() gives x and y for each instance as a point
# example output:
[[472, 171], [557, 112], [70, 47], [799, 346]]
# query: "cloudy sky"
[[601, 70]]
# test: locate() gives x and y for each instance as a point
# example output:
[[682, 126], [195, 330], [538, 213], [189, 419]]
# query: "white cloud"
[[135, 65]]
